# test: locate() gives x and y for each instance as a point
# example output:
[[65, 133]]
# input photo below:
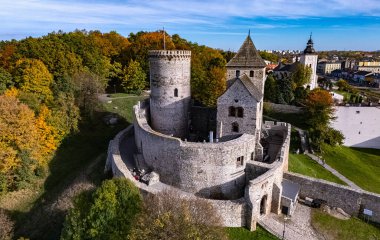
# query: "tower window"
[[175, 92], [231, 111], [251, 73], [240, 112], [237, 73], [252, 156], [235, 127]]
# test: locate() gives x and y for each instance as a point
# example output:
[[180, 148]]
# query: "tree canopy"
[[106, 213]]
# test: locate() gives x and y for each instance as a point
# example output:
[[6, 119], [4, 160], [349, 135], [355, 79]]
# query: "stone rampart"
[[350, 200], [263, 193], [232, 212], [207, 169], [283, 108]]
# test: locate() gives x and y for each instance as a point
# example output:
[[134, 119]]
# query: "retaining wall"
[[283, 108], [350, 200]]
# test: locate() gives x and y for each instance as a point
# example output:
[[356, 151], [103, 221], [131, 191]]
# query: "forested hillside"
[[49, 87]]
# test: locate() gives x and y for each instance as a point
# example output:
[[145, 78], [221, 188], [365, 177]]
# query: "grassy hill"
[[360, 165]]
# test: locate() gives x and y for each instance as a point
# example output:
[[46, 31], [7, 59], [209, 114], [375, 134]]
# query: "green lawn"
[[360, 165], [346, 95], [333, 228], [123, 106], [303, 164], [236, 233]]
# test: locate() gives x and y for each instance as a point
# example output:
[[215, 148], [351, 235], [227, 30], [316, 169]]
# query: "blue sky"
[[274, 24]]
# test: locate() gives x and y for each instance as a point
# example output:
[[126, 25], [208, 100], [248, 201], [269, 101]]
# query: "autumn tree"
[[208, 74], [18, 138], [134, 80], [319, 113], [32, 76], [168, 215], [107, 213]]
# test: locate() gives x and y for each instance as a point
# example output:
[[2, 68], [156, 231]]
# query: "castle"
[[238, 167], [226, 155]]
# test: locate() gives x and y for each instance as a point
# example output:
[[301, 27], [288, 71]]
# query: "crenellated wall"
[[206, 169]]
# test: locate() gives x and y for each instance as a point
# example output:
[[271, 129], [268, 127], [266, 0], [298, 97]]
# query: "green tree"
[[301, 75], [169, 216], [107, 213], [343, 85], [87, 87], [269, 56], [285, 91], [134, 80], [270, 89], [6, 80]]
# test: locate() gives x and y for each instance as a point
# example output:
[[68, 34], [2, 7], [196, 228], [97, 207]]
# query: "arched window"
[[237, 73], [251, 73], [240, 112], [175, 92], [231, 111], [235, 127]]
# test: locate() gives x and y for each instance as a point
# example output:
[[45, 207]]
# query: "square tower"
[[247, 64], [309, 58]]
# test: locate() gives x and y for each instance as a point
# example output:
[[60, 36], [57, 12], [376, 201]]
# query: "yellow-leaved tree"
[[27, 141], [32, 76]]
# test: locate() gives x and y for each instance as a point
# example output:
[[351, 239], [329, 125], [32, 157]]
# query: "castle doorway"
[[263, 205]]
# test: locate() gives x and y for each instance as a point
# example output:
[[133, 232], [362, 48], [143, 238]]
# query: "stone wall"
[[231, 212], [237, 96], [351, 201], [268, 185], [283, 108], [207, 169], [258, 78]]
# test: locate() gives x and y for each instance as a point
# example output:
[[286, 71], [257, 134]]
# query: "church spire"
[[309, 46]]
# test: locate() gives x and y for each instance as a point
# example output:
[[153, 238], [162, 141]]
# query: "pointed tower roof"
[[247, 56], [309, 47]]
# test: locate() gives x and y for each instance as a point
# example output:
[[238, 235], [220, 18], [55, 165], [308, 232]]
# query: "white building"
[[310, 58], [359, 125]]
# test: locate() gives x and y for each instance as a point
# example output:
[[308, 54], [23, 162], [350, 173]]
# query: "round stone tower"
[[170, 91]]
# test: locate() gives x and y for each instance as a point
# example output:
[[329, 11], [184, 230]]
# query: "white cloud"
[[192, 15]]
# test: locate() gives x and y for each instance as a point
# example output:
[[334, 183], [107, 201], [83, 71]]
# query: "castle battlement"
[[169, 54]]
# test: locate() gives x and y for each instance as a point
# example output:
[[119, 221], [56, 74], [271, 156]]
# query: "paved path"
[[297, 227], [333, 171]]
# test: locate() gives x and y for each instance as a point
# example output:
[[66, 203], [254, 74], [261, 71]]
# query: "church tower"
[[310, 58]]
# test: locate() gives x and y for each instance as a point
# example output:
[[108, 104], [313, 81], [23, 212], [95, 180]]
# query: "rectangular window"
[[251, 73], [240, 161], [252, 156]]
